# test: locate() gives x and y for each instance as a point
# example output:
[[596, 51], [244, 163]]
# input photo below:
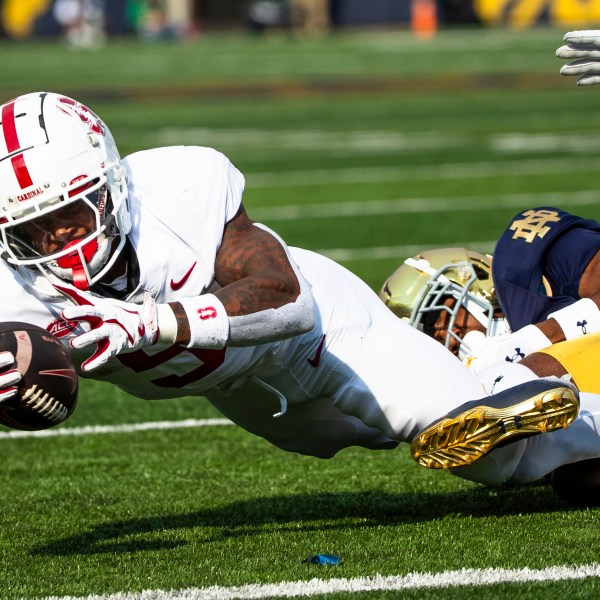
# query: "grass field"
[[366, 147]]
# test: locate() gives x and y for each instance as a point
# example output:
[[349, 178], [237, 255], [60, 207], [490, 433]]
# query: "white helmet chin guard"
[[59, 163]]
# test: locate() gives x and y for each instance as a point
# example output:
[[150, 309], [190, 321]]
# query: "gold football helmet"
[[445, 280]]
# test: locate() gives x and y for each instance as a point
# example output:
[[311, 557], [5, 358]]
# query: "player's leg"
[[397, 379], [387, 374], [314, 427], [533, 458]]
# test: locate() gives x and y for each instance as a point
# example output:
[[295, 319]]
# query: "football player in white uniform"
[[166, 288]]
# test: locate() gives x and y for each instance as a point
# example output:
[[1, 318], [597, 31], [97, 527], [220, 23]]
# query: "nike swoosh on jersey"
[[316, 359], [176, 285]]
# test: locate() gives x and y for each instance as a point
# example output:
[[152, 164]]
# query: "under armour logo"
[[515, 357], [535, 224], [582, 324], [497, 380]]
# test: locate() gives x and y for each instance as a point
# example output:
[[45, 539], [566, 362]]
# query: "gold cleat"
[[474, 429]]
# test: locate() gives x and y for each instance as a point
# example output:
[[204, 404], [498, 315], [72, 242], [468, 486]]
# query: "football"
[[47, 393], [579, 482]]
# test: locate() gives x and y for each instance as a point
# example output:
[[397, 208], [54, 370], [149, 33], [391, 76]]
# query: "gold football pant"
[[581, 359]]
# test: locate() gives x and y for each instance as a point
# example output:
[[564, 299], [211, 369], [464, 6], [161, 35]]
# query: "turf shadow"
[[319, 511]]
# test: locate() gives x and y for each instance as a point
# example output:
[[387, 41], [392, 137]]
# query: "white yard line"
[[241, 141], [316, 587], [363, 142], [482, 203], [464, 170], [384, 252], [98, 429]]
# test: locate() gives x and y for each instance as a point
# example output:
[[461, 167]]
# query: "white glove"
[[583, 50], [115, 327], [8, 379], [510, 348]]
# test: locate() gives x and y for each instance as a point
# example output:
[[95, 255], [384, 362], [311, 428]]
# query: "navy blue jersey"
[[538, 262]]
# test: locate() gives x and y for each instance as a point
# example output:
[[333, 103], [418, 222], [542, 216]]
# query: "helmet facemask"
[[438, 290], [441, 296]]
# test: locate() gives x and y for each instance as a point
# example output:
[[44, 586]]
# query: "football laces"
[[41, 402]]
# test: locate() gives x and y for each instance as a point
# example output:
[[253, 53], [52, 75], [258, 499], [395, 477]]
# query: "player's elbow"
[[305, 319]]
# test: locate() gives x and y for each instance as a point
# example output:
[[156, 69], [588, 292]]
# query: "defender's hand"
[[582, 49], [9, 378]]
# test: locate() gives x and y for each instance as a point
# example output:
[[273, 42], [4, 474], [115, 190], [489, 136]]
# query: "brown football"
[[579, 482], [48, 390]]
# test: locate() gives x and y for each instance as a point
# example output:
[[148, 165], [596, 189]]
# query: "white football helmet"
[[419, 289], [59, 163]]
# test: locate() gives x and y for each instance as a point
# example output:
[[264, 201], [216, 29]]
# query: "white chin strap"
[[474, 309]]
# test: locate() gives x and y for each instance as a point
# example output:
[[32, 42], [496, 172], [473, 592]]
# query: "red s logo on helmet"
[[91, 119]]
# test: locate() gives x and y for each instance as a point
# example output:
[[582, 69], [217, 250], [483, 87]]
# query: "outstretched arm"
[[263, 298], [254, 269]]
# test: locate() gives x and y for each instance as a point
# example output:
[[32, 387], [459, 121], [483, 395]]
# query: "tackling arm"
[[574, 321], [583, 316], [567, 324]]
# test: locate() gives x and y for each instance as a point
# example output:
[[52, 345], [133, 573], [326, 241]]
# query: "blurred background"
[[90, 21], [367, 130]]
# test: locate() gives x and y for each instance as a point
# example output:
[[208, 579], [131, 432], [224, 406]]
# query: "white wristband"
[[525, 341], [577, 319], [209, 323], [167, 324], [512, 348]]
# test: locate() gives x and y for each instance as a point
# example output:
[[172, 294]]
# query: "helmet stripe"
[[11, 139], [21, 171]]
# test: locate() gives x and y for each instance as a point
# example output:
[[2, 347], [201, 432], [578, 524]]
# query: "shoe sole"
[[460, 440]]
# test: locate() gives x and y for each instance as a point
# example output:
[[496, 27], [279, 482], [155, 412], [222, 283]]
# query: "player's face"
[[52, 232], [464, 323]]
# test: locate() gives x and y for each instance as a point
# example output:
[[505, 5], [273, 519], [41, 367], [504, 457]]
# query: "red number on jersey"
[[139, 361]]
